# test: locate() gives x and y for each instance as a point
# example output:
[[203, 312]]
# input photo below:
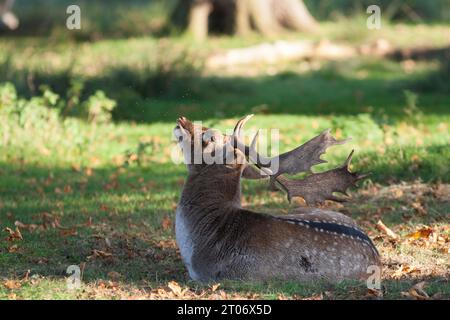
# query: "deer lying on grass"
[[219, 239]]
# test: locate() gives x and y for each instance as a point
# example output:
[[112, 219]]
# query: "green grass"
[[71, 171]]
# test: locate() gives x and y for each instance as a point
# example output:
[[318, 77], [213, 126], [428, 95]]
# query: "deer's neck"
[[212, 189]]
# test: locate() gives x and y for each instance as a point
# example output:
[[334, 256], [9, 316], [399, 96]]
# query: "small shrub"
[[99, 107], [412, 112], [8, 95]]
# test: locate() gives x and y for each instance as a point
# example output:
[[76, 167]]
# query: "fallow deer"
[[219, 239]]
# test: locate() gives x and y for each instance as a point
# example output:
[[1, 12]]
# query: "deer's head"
[[204, 147], [208, 148]]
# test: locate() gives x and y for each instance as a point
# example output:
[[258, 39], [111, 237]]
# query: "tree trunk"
[[198, 18], [6, 15], [267, 17], [261, 14], [242, 18], [294, 15]]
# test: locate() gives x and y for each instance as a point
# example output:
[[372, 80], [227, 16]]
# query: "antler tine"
[[239, 125], [239, 143], [253, 144], [252, 152], [349, 159], [347, 164]]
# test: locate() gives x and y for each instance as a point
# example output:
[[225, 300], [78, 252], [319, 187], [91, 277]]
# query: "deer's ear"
[[251, 172]]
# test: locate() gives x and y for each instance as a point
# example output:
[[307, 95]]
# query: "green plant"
[[99, 107], [411, 110], [8, 95]]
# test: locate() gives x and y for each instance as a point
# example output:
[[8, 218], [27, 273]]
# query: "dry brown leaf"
[[166, 223], [68, 232], [88, 171], [415, 294], [445, 250], [176, 289], [30, 227], [12, 296], [315, 297], [215, 286], [99, 254], [13, 235], [397, 193], [11, 284], [403, 270], [419, 208], [382, 227], [13, 248], [374, 293], [424, 232], [67, 189]]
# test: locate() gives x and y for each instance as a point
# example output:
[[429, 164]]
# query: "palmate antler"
[[314, 188]]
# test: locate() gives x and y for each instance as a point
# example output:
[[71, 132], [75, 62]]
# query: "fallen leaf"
[[415, 294], [166, 223], [68, 232], [374, 293], [419, 208], [30, 227], [215, 286], [11, 284], [13, 235], [315, 297], [99, 254], [397, 193], [176, 289], [403, 270], [88, 171], [444, 250], [421, 233], [13, 248]]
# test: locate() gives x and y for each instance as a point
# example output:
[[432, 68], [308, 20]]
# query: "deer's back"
[[305, 245]]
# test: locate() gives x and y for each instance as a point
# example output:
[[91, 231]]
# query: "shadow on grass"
[[392, 289], [121, 222], [152, 96], [126, 215], [47, 19]]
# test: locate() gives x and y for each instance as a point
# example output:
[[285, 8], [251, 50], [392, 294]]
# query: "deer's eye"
[[180, 138]]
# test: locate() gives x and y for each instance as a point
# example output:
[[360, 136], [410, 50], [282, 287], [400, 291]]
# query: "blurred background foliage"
[[86, 119], [116, 19]]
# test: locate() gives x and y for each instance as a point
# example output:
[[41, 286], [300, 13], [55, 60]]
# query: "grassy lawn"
[[103, 196]]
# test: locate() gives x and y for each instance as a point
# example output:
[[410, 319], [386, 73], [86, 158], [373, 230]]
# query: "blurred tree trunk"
[[198, 18], [6, 15], [267, 17]]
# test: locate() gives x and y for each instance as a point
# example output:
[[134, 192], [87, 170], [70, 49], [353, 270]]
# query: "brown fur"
[[219, 239]]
